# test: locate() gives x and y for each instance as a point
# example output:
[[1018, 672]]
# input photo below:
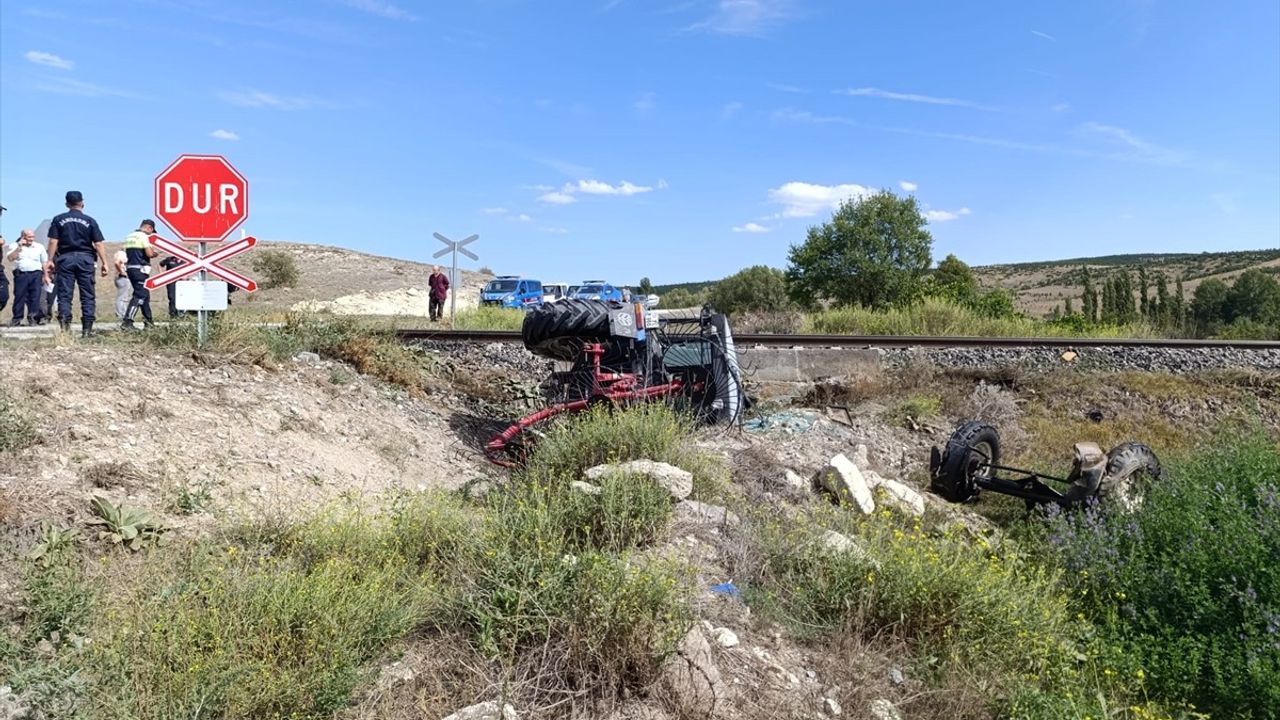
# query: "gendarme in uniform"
[[74, 240]]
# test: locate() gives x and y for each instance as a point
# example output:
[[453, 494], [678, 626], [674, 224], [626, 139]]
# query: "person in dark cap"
[[74, 240], [138, 252]]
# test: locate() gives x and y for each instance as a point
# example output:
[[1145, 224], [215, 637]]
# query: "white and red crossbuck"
[[209, 263]]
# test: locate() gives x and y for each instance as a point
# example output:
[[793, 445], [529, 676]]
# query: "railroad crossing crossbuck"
[[209, 263]]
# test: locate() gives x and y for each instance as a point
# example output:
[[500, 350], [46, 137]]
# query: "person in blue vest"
[[74, 240], [138, 253]]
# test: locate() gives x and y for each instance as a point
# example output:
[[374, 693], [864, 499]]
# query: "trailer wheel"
[[1131, 467], [558, 330], [973, 448]]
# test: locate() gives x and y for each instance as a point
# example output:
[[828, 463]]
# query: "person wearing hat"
[[74, 240], [138, 266]]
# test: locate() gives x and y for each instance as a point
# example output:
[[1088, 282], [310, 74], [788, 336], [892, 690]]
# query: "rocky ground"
[[197, 435]]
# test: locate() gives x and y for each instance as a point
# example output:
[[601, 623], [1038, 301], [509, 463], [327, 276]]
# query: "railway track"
[[880, 341]]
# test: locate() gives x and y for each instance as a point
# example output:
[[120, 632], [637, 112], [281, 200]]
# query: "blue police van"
[[597, 290], [512, 291]]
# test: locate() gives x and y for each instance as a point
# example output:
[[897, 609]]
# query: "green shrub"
[[1186, 590], [278, 630], [277, 267], [652, 431], [938, 317], [961, 605], [759, 288], [17, 426], [913, 410], [490, 318]]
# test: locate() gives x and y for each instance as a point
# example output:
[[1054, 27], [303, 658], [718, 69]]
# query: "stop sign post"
[[202, 198]]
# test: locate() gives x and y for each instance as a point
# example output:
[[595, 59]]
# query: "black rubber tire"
[[1130, 467], [956, 480], [557, 330]]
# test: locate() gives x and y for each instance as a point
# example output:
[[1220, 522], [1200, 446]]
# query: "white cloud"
[[908, 185], [494, 211], [804, 117], [596, 187], [646, 102], [782, 87], [801, 199], [909, 97], [945, 215], [746, 17], [1134, 147], [68, 86], [751, 228], [1044, 36], [522, 217], [556, 197], [568, 193], [258, 98], [48, 60], [381, 8], [662, 184], [554, 230], [221, 134], [730, 109], [1060, 107]]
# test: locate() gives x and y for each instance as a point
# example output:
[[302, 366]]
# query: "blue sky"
[[678, 140]]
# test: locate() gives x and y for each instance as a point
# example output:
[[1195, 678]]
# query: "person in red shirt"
[[439, 284]]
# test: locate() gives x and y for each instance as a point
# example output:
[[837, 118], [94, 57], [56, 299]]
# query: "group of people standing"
[[76, 249]]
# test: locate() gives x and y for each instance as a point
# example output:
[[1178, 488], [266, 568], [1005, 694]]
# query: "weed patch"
[[17, 426], [489, 318], [1186, 590]]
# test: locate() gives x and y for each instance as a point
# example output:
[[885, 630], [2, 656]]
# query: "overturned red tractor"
[[615, 354]]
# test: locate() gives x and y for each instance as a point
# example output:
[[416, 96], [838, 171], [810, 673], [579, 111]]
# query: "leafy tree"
[[277, 267], [873, 253], [1088, 298], [682, 298], [1209, 304], [758, 287], [1254, 295], [644, 287], [954, 280], [997, 303], [1144, 302], [1162, 307], [1068, 309]]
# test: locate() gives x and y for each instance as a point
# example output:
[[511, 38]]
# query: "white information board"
[[197, 295]]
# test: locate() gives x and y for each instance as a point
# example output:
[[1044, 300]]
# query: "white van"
[[551, 292]]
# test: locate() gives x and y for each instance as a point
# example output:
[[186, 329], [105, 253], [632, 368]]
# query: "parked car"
[[512, 291], [598, 290], [552, 292]]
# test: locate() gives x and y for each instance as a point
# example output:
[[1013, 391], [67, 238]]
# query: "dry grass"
[[114, 474]]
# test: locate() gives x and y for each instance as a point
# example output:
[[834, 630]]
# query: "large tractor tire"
[[972, 449], [1131, 467], [558, 330]]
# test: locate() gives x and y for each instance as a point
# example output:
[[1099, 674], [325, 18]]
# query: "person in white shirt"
[[29, 276], [124, 288]]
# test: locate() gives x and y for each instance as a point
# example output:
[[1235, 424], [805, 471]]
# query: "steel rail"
[[884, 341]]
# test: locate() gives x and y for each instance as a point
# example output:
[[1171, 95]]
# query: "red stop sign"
[[202, 198]]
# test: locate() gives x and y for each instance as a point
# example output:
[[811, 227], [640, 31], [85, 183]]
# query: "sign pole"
[[202, 318], [454, 247]]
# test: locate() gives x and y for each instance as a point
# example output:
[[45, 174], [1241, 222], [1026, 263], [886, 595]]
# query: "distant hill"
[[1040, 286]]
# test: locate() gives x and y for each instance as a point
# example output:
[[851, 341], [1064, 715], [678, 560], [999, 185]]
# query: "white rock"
[[725, 637], [860, 457], [831, 707], [678, 482], [700, 512], [843, 480], [792, 480], [884, 710], [691, 677], [838, 543], [490, 710], [900, 494], [585, 488]]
